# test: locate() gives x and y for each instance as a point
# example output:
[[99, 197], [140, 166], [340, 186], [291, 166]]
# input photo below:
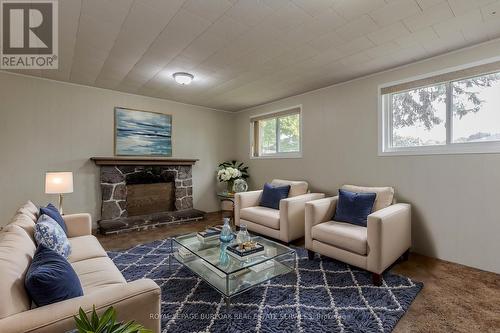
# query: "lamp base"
[[61, 204]]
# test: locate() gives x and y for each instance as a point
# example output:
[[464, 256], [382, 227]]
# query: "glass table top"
[[210, 251], [227, 274]]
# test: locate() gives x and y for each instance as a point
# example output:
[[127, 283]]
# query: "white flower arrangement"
[[231, 171], [228, 174]]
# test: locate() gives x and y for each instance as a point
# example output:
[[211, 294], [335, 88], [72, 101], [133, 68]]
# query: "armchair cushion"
[[296, 187], [272, 195], [343, 235], [354, 207], [384, 198], [262, 215]]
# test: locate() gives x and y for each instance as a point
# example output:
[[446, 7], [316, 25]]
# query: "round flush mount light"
[[183, 78]]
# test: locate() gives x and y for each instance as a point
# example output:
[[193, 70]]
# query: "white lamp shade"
[[58, 182]]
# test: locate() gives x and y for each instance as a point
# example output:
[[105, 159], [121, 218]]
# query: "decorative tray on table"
[[245, 250]]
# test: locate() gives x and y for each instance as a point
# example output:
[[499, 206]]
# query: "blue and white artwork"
[[142, 133]]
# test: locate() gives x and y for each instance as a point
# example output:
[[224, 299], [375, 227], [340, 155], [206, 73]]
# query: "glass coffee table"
[[229, 275]]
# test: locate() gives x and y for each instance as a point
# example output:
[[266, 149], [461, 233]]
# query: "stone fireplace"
[[142, 193]]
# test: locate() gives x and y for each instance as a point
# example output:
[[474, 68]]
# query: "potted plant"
[[106, 323], [230, 171]]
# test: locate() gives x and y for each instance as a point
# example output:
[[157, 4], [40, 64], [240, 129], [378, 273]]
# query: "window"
[[277, 134], [457, 115]]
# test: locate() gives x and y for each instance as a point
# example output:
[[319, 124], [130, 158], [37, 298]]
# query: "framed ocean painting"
[[142, 133]]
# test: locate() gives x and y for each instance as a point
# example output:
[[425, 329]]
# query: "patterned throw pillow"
[[50, 234]]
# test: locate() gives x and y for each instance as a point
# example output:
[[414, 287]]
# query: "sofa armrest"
[[316, 212], [78, 224], [389, 236], [292, 215], [245, 200], [137, 300]]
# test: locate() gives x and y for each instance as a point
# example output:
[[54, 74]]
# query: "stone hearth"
[[117, 180]]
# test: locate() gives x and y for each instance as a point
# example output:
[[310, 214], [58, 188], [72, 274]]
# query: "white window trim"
[[384, 124], [277, 155]]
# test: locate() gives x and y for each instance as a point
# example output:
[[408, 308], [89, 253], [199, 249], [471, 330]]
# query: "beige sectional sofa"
[[103, 284]]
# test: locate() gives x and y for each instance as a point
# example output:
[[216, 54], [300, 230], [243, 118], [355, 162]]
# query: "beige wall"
[[46, 125], [454, 197]]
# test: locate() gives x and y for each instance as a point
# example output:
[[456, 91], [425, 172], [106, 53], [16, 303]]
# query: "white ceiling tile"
[[493, 28], [250, 12], [326, 41], [424, 4], [449, 41], [383, 49], [410, 53], [460, 7], [273, 4], [355, 59], [289, 58], [210, 10], [350, 9], [288, 16], [420, 36], [314, 7], [323, 23], [111, 11], [355, 46], [477, 34], [228, 28], [395, 11], [456, 24], [388, 33], [491, 11], [429, 17], [203, 47], [357, 28]]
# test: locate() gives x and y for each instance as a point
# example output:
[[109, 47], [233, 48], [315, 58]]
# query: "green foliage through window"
[[278, 135], [419, 116]]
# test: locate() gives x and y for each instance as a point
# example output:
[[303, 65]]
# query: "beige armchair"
[[285, 224], [375, 247]]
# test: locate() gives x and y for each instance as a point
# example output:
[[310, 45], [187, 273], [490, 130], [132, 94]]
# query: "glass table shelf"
[[227, 274]]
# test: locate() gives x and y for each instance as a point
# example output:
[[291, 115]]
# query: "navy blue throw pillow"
[[53, 212], [271, 195], [354, 207], [50, 278]]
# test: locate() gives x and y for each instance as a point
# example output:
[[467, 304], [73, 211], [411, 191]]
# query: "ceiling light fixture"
[[183, 78]]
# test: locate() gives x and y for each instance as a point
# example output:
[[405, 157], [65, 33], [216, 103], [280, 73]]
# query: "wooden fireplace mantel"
[[133, 160]]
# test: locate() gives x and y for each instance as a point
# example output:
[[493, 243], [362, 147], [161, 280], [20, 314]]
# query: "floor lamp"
[[59, 183]]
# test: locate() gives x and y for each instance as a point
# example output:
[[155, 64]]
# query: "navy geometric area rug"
[[322, 295]]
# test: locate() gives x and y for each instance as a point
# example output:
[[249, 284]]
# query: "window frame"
[[385, 127], [254, 119]]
